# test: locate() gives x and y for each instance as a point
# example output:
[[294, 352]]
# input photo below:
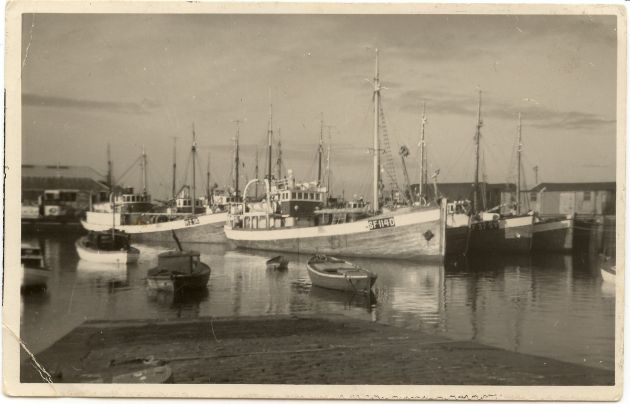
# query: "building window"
[[587, 196], [533, 197], [293, 195]]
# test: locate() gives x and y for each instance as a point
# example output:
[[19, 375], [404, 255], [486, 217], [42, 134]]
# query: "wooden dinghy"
[[107, 247], [178, 270], [278, 262], [334, 273], [35, 274]]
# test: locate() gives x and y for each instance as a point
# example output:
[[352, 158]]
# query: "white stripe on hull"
[[207, 230], [416, 235]]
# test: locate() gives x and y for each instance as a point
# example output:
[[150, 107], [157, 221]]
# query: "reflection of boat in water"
[[34, 271], [363, 300], [278, 262], [108, 272], [107, 247], [333, 273], [178, 299]]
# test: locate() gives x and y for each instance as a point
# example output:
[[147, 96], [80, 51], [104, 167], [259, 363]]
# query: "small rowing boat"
[[107, 247], [278, 262], [334, 273]]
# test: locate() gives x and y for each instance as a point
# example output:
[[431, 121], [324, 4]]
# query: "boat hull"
[[178, 282], [456, 240], [607, 275], [201, 229], [34, 277], [555, 235], [506, 235], [416, 235], [123, 257], [354, 284]]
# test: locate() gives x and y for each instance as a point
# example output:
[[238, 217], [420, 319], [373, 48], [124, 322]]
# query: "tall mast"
[[236, 158], [256, 185], [518, 167], [477, 141], [208, 180], [328, 190], [270, 140], [377, 90], [194, 152], [279, 159], [423, 170], [144, 171], [174, 190], [109, 169], [320, 151]]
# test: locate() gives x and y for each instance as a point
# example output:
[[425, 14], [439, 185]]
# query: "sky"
[[134, 81]]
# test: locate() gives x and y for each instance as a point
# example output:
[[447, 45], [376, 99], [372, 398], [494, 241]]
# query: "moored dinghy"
[[34, 271], [334, 273], [608, 268], [107, 247], [278, 262]]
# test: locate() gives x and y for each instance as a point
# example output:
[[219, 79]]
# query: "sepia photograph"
[[315, 201]]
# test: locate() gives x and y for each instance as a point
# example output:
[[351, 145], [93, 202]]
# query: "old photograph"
[[399, 197]]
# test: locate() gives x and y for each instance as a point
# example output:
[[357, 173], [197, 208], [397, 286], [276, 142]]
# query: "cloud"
[[38, 100]]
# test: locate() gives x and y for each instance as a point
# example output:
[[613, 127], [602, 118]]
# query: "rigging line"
[[133, 165]]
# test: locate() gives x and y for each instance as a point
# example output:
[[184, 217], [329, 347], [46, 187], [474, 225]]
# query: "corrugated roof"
[[60, 171], [575, 186]]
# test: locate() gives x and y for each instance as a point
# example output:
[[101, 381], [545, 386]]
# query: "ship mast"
[[328, 190], [208, 180], [174, 167], [320, 151], [423, 153], [377, 89], [236, 159], [477, 141], [279, 159], [256, 186], [194, 152], [144, 171], [109, 169], [518, 167], [269, 140]]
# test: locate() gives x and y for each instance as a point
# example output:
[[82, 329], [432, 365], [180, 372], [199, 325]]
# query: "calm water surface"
[[550, 305]]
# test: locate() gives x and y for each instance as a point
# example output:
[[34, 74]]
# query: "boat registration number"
[[376, 224], [189, 221]]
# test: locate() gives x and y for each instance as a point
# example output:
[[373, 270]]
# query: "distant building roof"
[[41, 177], [58, 171], [575, 186]]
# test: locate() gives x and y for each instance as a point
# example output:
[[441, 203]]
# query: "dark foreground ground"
[[291, 350]]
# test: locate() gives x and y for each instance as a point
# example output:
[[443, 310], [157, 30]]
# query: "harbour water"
[[550, 305]]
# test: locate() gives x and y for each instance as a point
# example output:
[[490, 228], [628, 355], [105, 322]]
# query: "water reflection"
[[549, 305]]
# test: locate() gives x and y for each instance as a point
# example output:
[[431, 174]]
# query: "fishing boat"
[[490, 231], [107, 247], [34, 271], [553, 234], [294, 217], [178, 270], [144, 222], [334, 273], [278, 262]]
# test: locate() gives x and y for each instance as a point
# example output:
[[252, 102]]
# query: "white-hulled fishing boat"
[[135, 216], [294, 218], [607, 268], [333, 273], [107, 247]]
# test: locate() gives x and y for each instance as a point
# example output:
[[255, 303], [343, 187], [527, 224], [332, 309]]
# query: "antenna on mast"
[[174, 189], [477, 144], [279, 159], [376, 168], [236, 158], [519, 150], [194, 169]]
